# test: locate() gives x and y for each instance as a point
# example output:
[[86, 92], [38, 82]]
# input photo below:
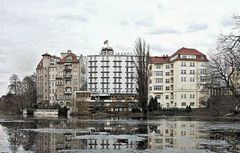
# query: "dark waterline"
[[164, 134]]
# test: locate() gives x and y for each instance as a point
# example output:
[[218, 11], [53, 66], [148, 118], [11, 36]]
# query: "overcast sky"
[[29, 28]]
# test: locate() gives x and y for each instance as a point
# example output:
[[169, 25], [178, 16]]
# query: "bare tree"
[[225, 61], [15, 85], [142, 60]]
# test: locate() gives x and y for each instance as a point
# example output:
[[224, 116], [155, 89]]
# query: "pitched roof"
[[46, 54], [40, 64], [187, 51], [159, 59], [73, 57]]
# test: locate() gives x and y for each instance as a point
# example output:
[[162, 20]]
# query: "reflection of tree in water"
[[142, 145], [232, 139], [18, 137], [152, 128]]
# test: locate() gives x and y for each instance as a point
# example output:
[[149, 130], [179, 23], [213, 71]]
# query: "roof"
[[159, 59], [69, 54], [46, 54], [187, 51], [40, 64]]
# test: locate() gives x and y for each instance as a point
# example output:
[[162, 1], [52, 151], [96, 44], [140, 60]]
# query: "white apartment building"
[[179, 80], [110, 73]]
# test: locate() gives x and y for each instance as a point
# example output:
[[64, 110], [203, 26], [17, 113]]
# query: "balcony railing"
[[68, 69], [67, 75], [68, 92], [59, 76]]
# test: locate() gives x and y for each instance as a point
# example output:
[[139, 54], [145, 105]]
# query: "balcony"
[[68, 76], [67, 92], [59, 84], [68, 68], [59, 77]]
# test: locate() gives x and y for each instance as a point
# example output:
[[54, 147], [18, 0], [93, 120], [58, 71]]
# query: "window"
[[158, 87], [158, 140], [192, 64], [167, 97], [167, 80], [183, 104], [183, 96], [158, 96], [192, 79], [167, 88], [159, 80], [69, 59], [192, 104], [158, 66], [183, 79], [192, 71], [192, 96], [183, 72], [183, 132], [167, 73], [159, 73], [167, 66], [150, 88], [183, 63]]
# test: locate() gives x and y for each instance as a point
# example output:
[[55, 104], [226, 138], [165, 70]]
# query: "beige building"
[[58, 78], [46, 72], [179, 80]]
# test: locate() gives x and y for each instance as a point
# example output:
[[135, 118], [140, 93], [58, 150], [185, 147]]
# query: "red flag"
[[106, 42]]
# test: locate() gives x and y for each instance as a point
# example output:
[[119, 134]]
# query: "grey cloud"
[[196, 27], [122, 48], [72, 17], [163, 31], [226, 22], [147, 22], [124, 22], [91, 8], [159, 6]]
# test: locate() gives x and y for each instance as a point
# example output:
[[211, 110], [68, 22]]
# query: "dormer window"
[[69, 59], [188, 56]]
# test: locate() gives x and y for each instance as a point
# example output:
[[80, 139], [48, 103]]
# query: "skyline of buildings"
[[178, 80]]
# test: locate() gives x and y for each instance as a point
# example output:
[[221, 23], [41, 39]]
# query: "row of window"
[[160, 73], [185, 72], [159, 88], [167, 66], [185, 104], [184, 96], [192, 64], [184, 79]]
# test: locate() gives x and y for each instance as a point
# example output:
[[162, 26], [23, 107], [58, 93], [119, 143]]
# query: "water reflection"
[[42, 136]]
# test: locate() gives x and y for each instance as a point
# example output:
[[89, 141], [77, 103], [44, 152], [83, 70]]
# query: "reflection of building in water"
[[181, 135], [92, 136], [52, 142], [55, 142]]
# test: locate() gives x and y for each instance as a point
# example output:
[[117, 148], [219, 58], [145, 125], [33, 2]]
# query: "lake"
[[165, 134]]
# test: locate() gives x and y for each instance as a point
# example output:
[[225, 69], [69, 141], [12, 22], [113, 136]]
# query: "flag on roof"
[[106, 42]]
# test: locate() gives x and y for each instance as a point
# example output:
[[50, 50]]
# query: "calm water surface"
[[168, 134]]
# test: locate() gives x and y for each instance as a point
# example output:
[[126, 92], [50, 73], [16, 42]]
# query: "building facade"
[[179, 80], [45, 74], [110, 73], [58, 78]]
